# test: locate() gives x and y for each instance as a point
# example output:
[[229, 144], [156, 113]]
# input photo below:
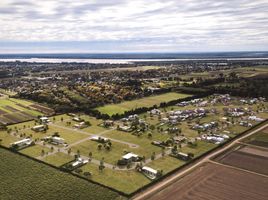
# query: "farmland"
[[212, 181], [32, 180], [16, 110], [144, 102], [249, 159], [146, 128], [259, 139]]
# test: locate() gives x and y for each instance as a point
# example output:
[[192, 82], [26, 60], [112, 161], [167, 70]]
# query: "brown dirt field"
[[215, 182], [27, 114], [4, 120], [42, 108], [11, 109], [2, 112], [251, 162], [12, 118]]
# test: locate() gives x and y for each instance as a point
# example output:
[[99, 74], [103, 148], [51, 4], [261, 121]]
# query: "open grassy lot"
[[58, 159], [127, 181], [22, 178], [35, 150], [144, 102]]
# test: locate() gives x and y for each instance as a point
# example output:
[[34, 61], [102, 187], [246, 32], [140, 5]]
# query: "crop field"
[[248, 158], [16, 110], [144, 102], [259, 139], [139, 142], [212, 181], [22, 178]]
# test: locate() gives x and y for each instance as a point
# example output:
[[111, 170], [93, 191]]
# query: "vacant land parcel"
[[144, 102]]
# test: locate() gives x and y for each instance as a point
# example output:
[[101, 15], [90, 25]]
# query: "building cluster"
[[214, 138], [205, 126]]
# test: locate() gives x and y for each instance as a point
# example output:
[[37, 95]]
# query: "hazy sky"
[[133, 25]]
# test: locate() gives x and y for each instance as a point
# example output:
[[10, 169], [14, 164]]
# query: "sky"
[[111, 26]]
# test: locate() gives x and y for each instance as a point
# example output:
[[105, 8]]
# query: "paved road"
[[161, 185]]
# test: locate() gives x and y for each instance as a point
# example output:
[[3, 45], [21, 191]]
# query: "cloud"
[[138, 25]]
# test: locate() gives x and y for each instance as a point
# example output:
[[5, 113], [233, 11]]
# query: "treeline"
[[141, 110]]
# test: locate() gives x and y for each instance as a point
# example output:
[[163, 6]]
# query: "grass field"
[[144, 102], [22, 178]]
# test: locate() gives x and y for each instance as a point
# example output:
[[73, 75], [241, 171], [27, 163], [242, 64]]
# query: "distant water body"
[[131, 57]]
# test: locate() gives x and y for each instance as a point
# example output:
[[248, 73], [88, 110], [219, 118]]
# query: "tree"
[[163, 151], [69, 151], [51, 148], [150, 135], [90, 154], [153, 156], [42, 152], [101, 166], [152, 127], [99, 146]]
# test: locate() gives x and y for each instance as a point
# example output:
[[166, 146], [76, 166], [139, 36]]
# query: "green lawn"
[[144, 102], [22, 178], [34, 151], [126, 181], [166, 164], [58, 159]]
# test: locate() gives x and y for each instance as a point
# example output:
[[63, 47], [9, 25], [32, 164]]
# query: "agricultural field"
[[16, 110], [247, 158], [209, 115], [22, 178], [259, 139], [144, 102], [212, 181]]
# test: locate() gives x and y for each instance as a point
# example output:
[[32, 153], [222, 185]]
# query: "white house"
[[44, 120], [79, 162], [149, 172], [130, 157], [38, 128], [22, 143]]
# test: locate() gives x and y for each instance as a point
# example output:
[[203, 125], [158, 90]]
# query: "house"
[[255, 118], [155, 112], [77, 119], [22, 143], [130, 157], [79, 162], [245, 123], [149, 172], [99, 139], [81, 125], [181, 156], [39, 128], [55, 140], [124, 128], [108, 123], [44, 120]]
